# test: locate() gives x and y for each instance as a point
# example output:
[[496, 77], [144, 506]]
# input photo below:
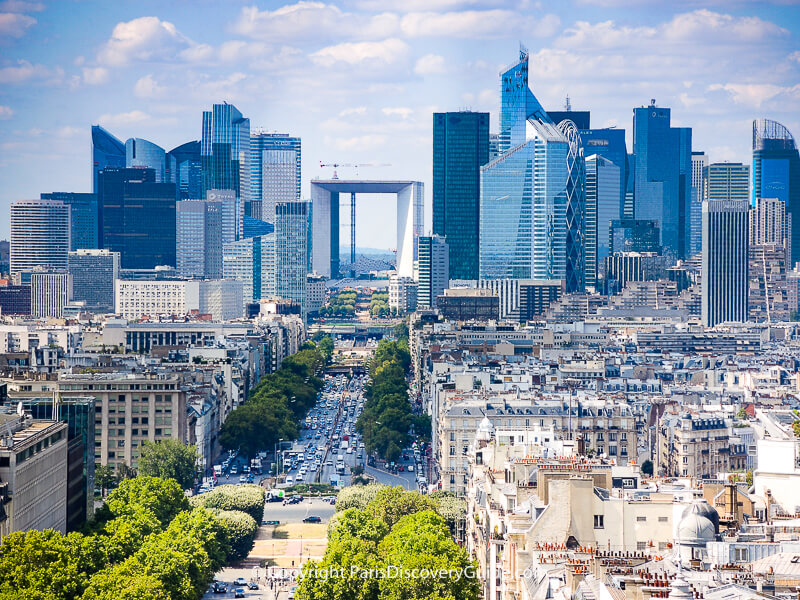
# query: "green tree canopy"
[[169, 459], [162, 497], [248, 499]]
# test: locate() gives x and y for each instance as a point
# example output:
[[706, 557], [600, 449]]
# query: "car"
[[291, 593], [252, 585], [238, 593], [242, 478], [240, 581], [312, 519], [266, 522], [234, 471], [219, 588]]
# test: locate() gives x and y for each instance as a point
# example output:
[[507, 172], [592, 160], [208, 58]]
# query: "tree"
[[239, 530], [647, 468], [162, 497], [169, 459], [742, 414], [393, 503], [796, 428], [104, 477], [248, 499]]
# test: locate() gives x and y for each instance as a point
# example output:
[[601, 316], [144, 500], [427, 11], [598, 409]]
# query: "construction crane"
[[352, 203]]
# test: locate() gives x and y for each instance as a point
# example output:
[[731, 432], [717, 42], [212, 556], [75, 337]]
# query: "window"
[[662, 546], [452, 436], [663, 519], [598, 521], [740, 554], [641, 546], [641, 519], [686, 460]]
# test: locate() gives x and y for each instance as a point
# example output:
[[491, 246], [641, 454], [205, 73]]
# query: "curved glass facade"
[[576, 208], [107, 151], [140, 153]]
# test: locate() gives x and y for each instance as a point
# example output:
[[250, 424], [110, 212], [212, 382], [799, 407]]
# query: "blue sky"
[[359, 79]]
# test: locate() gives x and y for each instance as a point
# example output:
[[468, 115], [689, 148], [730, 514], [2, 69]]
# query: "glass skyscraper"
[[291, 251], [517, 104], [83, 217], [728, 181], [275, 161], [699, 165], [137, 217], [93, 274], [433, 269], [662, 176], [225, 152], [107, 151], [776, 172], [187, 172], [251, 261], [460, 148], [140, 153], [199, 238], [576, 208], [602, 208], [40, 235]]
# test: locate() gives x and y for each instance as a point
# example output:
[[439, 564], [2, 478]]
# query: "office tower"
[[433, 269], [232, 216], [251, 261], [275, 160], [315, 292], [198, 237], [602, 209], [403, 294], [5, 257], [610, 144], [225, 153], [632, 235], [93, 273], [776, 172], [107, 151], [770, 248], [724, 262], [494, 146], [15, 299], [141, 154], [623, 267], [662, 176], [576, 208], [581, 118], [536, 296], [137, 217], [699, 166], [523, 210], [460, 149], [187, 171], [254, 227], [518, 105], [50, 293], [291, 251], [728, 181], [83, 217], [40, 235], [770, 223]]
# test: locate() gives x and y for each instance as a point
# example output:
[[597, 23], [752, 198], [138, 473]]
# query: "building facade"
[[93, 274], [727, 181], [187, 170], [199, 238], [291, 251], [275, 161], [225, 152], [602, 209], [83, 217], [433, 270], [222, 299], [40, 235], [107, 151], [143, 154]]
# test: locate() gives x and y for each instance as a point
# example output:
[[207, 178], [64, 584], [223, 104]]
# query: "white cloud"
[[400, 111], [387, 52], [15, 25], [142, 39], [148, 87], [755, 95], [119, 119], [430, 64], [360, 142], [21, 6], [95, 75], [356, 110], [478, 24], [6, 112], [27, 71]]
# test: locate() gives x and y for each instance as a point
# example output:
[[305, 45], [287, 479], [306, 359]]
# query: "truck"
[[218, 470], [345, 444]]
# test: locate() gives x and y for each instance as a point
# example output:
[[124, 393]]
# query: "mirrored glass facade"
[[83, 217], [225, 152], [107, 151], [275, 161]]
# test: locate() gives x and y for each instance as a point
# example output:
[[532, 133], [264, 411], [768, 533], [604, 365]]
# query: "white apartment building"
[[50, 293], [403, 293], [220, 298]]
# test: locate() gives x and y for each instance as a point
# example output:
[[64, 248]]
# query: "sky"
[[359, 80]]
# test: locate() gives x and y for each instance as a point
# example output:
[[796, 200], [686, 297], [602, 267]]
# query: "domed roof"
[[704, 509], [485, 430], [695, 530]]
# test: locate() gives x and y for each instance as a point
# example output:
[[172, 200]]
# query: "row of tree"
[[278, 402], [387, 417], [342, 304], [146, 543], [393, 544]]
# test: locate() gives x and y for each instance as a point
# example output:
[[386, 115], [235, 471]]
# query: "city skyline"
[[359, 81]]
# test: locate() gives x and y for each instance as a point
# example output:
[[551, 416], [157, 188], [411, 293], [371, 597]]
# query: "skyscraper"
[[51, 291], [460, 148], [776, 172], [137, 217], [517, 105], [232, 217], [198, 236], [576, 208], [291, 251], [141, 153], [602, 208], [40, 235], [225, 152], [107, 151], [724, 262], [610, 144], [93, 273], [275, 160], [728, 181], [433, 269], [699, 165], [662, 176], [83, 217], [187, 171], [770, 223], [251, 261]]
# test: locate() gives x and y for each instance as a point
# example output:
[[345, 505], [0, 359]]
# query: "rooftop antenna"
[[567, 105]]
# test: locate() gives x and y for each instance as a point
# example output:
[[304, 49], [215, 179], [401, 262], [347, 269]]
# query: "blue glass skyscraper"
[[275, 161], [107, 151], [187, 171], [662, 176], [576, 208], [225, 152], [141, 153], [518, 104], [776, 172], [602, 208], [83, 217]]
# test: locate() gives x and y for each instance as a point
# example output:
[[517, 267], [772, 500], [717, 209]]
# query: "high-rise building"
[[518, 105], [610, 144], [93, 273], [251, 261], [460, 149], [291, 251], [15, 299], [220, 298], [523, 210], [403, 294], [724, 261], [107, 151], [576, 208], [187, 170], [776, 172], [232, 216], [699, 166], [225, 152], [254, 227], [728, 181], [40, 235], [137, 217], [142, 154], [770, 223], [83, 217], [51, 291], [275, 160], [433, 269], [602, 209], [662, 176], [198, 236], [632, 235]]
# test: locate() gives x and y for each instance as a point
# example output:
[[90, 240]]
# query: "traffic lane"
[[295, 513], [390, 479]]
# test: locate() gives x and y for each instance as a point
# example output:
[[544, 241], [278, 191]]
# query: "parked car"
[[312, 519]]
